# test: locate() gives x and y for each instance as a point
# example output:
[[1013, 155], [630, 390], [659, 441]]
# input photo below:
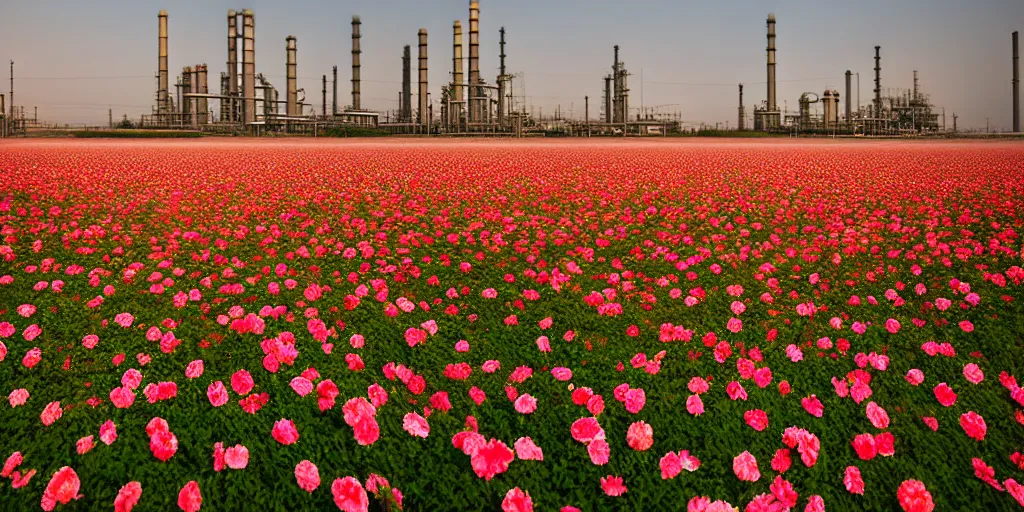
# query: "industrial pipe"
[[455, 111], [849, 83], [161, 98], [291, 77], [1016, 86], [232, 107], [248, 66], [424, 105], [355, 62], [878, 82], [474, 61], [406, 85], [772, 105]]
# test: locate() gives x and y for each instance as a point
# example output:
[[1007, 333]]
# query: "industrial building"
[[469, 104]]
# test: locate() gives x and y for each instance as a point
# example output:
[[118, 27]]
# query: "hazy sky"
[[689, 53]]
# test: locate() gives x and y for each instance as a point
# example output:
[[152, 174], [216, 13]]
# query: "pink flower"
[[84, 445], [735, 391], [90, 341], [517, 501], [671, 465], [914, 497], [879, 418], [284, 432], [349, 495], [694, 405], [973, 373], [864, 445], [307, 476], [217, 394], [163, 444], [586, 430], [931, 422], [108, 432], [813, 406], [973, 425], [757, 419], [62, 488], [744, 466], [236, 457], [815, 503], [241, 382], [416, 425], [525, 404], [734, 325], [127, 497], [915, 377], [32, 357], [640, 436], [854, 483], [635, 399], [491, 459], [189, 498], [613, 485], [301, 385], [781, 461], [599, 451], [945, 395], [526, 449], [884, 442], [51, 413], [194, 369], [18, 397]]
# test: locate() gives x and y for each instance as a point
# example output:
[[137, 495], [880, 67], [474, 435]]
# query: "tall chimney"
[[617, 89], [248, 66], [291, 77], [456, 108], [323, 98], [406, 85], [355, 62], [608, 99], [474, 62], [424, 105], [772, 105], [849, 84], [739, 120], [334, 94], [1016, 86], [161, 95], [202, 88], [502, 79], [232, 107], [878, 82]]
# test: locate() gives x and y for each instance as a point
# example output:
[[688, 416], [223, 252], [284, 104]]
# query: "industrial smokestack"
[[291, 77], [1016, 86], [457, 72], [739, 120], [161, 96], [406, 85], [502, 79], [772, 105], [334, 87], [474, 61], [617, 89], [849, 83], [248, 66], [355, 62], [878, 82], [202, 88], [231, 112], [608, 99], [424, 105]]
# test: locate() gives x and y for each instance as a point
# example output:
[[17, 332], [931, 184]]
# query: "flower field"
[[511, 326]]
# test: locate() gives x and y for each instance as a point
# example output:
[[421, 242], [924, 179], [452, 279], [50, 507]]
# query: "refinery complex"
[[241, 100]]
